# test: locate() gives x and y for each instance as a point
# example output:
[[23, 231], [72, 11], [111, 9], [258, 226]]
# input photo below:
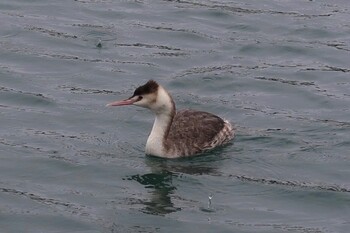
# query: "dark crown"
[[150, 87]]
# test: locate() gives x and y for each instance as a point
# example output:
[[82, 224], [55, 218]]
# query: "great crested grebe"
[[177, 134]]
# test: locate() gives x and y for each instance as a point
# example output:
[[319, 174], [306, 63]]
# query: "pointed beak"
[[129, 101]]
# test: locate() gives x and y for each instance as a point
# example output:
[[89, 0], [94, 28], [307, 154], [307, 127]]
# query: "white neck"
[[164, 110], [155, 145]]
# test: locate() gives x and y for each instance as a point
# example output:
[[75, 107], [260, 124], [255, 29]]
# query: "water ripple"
[[71, 208], [293, 184], [51, 32]]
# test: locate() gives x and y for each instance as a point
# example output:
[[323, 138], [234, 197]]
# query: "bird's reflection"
[[160, 180], [161, 187]]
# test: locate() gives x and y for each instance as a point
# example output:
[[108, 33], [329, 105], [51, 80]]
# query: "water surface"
[[279, 70]]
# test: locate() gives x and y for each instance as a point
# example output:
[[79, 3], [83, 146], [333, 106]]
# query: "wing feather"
[[194, 129]]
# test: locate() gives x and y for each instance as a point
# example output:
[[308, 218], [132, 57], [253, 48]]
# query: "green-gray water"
[[279, 70]]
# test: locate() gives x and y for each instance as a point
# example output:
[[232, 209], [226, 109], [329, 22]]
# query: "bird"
[[177, 134]]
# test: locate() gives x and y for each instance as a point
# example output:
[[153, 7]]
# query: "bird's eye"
[[139, 98]]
